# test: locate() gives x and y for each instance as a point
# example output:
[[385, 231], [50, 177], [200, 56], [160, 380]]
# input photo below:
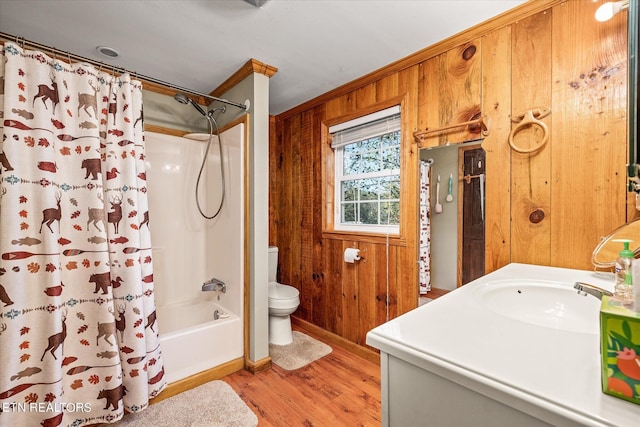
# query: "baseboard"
[[332, 338], [260, 365], [198, 379]]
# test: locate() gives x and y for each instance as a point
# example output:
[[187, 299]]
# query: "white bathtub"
[[192, 341]]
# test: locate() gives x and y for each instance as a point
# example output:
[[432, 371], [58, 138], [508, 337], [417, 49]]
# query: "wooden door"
[[473, 215]]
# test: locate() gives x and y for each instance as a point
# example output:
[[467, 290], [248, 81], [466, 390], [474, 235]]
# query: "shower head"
[[183, 99]]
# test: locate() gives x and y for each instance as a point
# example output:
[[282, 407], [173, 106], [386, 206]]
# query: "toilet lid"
[[279, 291]]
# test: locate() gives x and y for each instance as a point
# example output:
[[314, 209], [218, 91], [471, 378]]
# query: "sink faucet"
[[591, 290], [214, 285]]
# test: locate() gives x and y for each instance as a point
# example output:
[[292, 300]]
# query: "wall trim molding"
[[198, 379], [252, 66], [257, 366], [359, 350]]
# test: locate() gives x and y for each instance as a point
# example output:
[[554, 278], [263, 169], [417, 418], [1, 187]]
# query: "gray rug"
[[210, 405], [302, 351]]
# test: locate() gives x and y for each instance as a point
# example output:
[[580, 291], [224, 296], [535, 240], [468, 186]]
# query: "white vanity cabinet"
[[463, 361]]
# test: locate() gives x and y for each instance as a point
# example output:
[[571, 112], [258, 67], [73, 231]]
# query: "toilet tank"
[[273, 263]]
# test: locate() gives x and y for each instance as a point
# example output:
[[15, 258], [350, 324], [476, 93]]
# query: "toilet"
[[283, 300]]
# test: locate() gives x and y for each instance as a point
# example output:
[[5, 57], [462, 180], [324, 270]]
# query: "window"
[[367, 173]]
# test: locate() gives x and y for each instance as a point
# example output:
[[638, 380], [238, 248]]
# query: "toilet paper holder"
[[354, 254]]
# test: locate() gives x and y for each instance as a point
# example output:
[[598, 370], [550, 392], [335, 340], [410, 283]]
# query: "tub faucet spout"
[[591, 290], [214, 285]]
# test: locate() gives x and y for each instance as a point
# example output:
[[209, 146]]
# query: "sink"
[[548, 304]]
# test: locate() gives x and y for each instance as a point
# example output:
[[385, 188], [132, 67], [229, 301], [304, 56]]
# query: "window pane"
[[390, 188], [368, 189], [391, 158], [349, 190], [390, 211], [352, 148], [371, 144], [370, 162], [348, 212], [351, 164], [369, 213], [390, 139]]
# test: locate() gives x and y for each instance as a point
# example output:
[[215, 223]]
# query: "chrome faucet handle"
[[591, 290]]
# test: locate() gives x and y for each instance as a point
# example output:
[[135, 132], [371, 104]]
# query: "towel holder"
[[482, 121], [526, 119]]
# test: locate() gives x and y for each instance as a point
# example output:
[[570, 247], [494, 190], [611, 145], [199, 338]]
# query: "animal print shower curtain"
[[78, 337], [425, 229]]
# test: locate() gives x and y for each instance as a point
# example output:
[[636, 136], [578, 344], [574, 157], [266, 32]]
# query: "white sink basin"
[[543, 303]]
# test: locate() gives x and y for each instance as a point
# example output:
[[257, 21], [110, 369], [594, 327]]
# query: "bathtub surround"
[[190, 250], [212, 404], [251, 82], [302, 351], [76, 263]]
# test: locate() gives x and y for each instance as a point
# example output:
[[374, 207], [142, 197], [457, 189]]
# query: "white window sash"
[[392, 229]]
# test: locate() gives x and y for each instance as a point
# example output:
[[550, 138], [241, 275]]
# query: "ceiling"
[[317, 45]]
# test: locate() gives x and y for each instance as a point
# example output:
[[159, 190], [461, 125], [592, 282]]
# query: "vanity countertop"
[[550, 373]]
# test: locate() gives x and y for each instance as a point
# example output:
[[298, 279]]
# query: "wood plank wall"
[[559, 57]]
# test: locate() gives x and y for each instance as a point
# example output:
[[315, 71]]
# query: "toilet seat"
[[283, 296]]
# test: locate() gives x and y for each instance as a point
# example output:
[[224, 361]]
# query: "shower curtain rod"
[[24, 42]]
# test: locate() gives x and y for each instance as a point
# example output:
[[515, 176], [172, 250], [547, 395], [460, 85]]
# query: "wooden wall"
[[550, 207]]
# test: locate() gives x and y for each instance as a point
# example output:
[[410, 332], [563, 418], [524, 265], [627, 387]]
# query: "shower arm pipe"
[[69, 56], [244, 106]]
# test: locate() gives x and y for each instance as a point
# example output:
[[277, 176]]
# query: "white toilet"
[[283, 300]]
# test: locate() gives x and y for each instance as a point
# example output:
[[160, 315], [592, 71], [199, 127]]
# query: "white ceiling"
[[317, 45]]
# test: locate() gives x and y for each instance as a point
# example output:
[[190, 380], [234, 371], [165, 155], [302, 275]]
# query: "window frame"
[[337, 175], [340, 177]]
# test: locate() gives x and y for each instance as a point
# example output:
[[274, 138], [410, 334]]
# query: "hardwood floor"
[[433, 294], [340, 389]]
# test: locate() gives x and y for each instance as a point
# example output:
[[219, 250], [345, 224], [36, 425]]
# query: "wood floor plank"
[[340, 389]]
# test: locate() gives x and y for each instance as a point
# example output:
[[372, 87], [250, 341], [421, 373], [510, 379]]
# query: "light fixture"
[[608, 9], [256, 3], [107, 52]]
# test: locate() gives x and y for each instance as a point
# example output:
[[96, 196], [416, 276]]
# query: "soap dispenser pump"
[[624, 283]]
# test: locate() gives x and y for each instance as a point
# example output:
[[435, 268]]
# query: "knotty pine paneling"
[[588, 127], [305, 172], [531, 173], [319, 308], [450, 86], [496, 104], [345, 299], [559, 56]]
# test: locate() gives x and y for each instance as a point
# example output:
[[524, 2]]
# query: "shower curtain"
[[425, 228], [78, 337]]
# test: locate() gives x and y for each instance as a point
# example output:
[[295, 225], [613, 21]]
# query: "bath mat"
[[212, 404], [302, 351]]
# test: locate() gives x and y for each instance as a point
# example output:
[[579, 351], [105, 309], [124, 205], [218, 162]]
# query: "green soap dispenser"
[[624, 283]]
